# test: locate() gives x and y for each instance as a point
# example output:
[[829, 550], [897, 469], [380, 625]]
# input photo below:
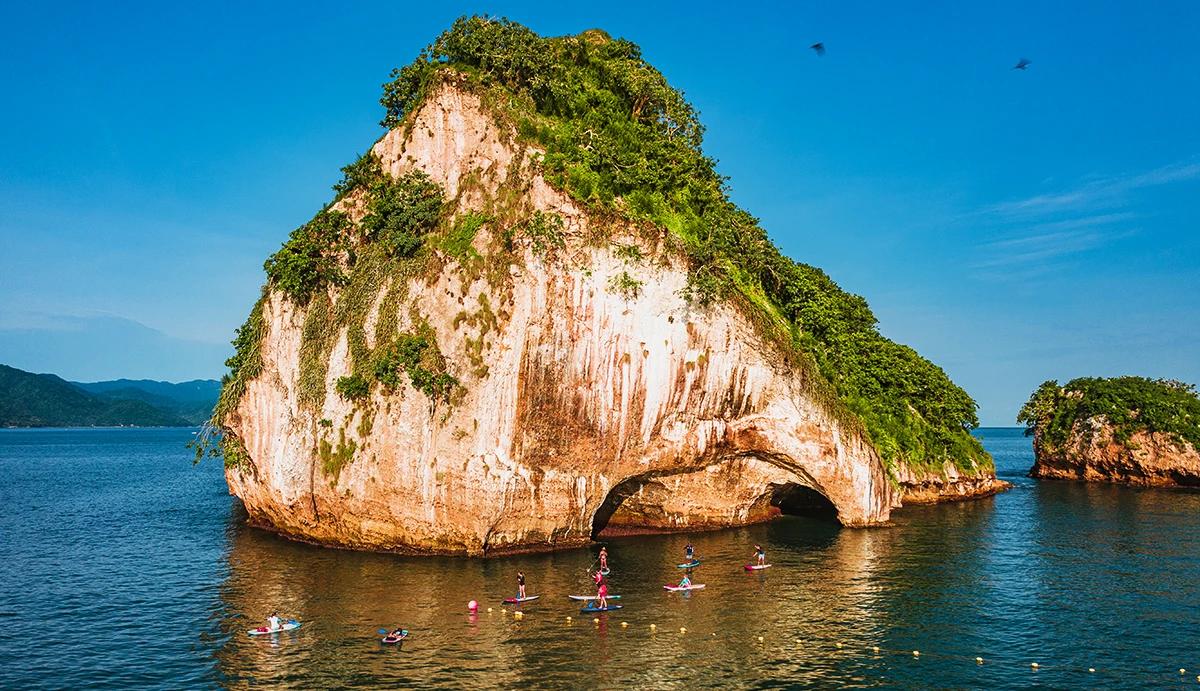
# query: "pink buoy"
[[473, 606]]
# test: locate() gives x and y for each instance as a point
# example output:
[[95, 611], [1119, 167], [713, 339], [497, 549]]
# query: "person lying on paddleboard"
[[398, 633], [520, 585], [761, 554], [603, 559], [685, 583], [274, 623]]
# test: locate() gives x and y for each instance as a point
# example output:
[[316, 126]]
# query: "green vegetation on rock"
[[418, 356], [353, 387], [620, 140], [1128, 404]]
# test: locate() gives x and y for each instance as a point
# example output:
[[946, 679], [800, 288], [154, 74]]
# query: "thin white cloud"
[[1030, 236], [1095, 194]]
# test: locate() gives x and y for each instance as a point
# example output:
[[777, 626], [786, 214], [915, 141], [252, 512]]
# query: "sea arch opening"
[[737, 491]]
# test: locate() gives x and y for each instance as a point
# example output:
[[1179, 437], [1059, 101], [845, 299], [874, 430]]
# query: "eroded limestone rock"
[[585, 404]]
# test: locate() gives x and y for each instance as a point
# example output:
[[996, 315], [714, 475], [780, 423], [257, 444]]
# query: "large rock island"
[[531, 315], [1127, 430]]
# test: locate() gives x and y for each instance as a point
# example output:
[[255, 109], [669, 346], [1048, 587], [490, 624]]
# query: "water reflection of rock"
[[828, 584]]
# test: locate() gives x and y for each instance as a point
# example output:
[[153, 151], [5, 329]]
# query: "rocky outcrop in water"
[[1129, 430], [1094, 454]]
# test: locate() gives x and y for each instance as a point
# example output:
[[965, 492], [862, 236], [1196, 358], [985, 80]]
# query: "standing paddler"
[[601, 592]]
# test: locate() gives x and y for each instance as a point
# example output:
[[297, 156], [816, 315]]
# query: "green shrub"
[[419, 357], [544, 233], [364, 173], [309, 259], [402, 211], [353, 387], [625, 285], [457, 243]]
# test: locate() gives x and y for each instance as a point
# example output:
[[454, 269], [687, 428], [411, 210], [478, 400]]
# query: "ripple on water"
[[143, 569]]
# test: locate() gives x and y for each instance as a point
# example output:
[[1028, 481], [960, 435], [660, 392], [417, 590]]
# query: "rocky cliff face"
[[594, 396], [1093, 454]]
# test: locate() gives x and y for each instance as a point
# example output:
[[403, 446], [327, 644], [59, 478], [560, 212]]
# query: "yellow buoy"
[[916, 653], [1034, 665], [979, 660], [838, 644], [518, 615], [652, 627], [595, 621], [875, 649], [1091, 669], [760, 639], [1182, 670], [798, 642], [489, 610], [568, 618], [504, 610], [682, 630], [624, 624]]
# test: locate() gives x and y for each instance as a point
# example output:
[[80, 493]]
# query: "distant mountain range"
[[45, 400]]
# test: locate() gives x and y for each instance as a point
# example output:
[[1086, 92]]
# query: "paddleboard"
[[690, 587], [604, 572], [756, 567], [515, 600], [287, 626], [592, 597], [692, 564], [590, 610], [394, 639]]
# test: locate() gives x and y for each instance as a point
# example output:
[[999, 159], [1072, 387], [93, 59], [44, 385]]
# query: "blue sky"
[[1011, 226]]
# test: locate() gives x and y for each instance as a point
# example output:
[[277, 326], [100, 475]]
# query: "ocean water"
[[123, 566]]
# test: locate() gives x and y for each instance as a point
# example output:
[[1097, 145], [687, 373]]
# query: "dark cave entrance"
[[800, 500], [616, 496]]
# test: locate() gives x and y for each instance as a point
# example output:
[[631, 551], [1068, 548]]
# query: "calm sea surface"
[[122, 566]]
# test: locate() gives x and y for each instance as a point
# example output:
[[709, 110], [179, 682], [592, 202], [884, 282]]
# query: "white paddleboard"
[[756, 567], [592, 597], [287, 626], [514, 600]]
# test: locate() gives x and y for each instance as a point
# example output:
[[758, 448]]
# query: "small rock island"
[[532, 314], [1128, 430]]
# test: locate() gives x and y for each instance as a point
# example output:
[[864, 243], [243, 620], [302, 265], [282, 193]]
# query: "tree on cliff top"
[[1129, 404], [619, 139]]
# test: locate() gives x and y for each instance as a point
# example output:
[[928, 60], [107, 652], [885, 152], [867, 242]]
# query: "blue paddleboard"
[[590, 610]]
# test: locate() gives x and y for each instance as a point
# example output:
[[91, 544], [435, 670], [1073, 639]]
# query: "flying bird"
[[1022, 64], [820, 48]]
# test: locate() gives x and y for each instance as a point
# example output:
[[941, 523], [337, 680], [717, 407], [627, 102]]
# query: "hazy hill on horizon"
[[47, 400]]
